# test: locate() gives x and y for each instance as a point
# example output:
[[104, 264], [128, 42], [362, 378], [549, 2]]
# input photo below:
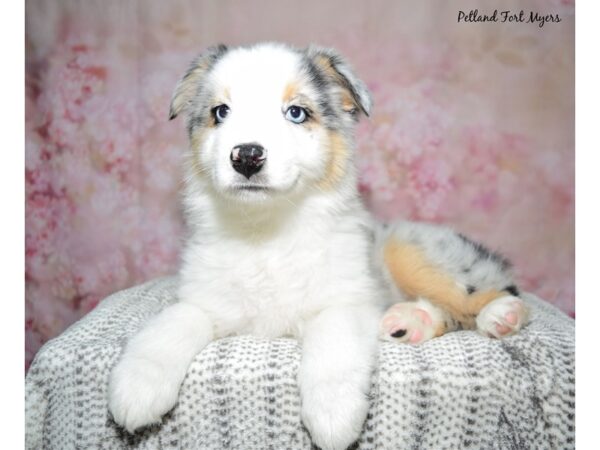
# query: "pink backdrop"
[[473, 126]]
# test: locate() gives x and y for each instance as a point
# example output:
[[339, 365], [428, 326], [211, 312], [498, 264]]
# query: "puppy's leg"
[[145, 382], [338, 355], [416, 276], [415, 322]]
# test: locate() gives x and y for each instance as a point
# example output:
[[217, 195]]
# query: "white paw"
[[334, 413], [413, 322], [502, 317], [140, 392]]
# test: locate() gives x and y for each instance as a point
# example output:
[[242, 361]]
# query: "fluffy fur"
[[455, 283], [285, 248]]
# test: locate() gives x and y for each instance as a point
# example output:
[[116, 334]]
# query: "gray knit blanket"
[[459, 391]]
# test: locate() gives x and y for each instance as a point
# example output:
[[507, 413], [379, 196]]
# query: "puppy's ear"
[[188, 85], [331, 64]]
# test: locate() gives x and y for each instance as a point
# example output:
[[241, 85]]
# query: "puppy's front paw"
[[334, 413], [502, 317], [140, 392], [414, 322]]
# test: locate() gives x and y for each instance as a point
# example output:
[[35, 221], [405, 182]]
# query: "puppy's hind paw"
[[413, 322], [502, 317]]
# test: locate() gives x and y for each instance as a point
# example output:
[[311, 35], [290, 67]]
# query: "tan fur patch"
[[348, 101], [325, 64], [418, 277], [186, 88], [478, 300], [338, 158], [292, 95], [290, 91]]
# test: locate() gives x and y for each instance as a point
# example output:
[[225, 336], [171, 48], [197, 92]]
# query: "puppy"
[[279, 242]]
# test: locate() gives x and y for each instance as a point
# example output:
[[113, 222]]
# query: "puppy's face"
[[269, 121]]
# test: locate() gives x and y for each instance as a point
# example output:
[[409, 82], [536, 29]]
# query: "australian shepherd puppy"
[[280, 244]]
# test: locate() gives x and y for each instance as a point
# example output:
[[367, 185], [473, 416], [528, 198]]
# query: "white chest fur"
[[271, 282]]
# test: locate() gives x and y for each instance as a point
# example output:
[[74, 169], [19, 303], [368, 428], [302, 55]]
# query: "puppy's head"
[[269, 121]]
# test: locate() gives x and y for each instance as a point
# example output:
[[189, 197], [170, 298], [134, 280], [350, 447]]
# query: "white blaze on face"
[[253, 82]]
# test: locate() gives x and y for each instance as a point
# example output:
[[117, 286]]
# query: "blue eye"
[[220, 113], [296, 114]]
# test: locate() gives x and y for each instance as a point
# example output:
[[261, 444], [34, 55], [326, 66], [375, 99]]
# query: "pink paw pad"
[[405, 322], [502, 317], [415, 337], [502, 329], [424, 316], [511, 318]]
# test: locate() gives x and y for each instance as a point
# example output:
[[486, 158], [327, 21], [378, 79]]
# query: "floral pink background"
[[473, 126]]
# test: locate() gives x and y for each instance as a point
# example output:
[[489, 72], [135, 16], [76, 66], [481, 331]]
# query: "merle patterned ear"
[[333, 66], [188, 85]]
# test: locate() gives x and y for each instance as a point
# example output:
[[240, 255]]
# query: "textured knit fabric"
[[461, 390]]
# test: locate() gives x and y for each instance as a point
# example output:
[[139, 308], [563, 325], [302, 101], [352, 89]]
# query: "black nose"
[[248, 159]]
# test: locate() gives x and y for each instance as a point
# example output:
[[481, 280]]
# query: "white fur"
[[145, 383], [255, 80], [282, 253], [294, 261]]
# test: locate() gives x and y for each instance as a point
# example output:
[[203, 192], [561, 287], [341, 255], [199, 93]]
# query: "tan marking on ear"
[[186, 88], [417, 277], [349, 103], [325, 63], [337, 150]]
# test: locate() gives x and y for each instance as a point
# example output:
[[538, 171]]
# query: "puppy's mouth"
[[251, 187], [259, 190]]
